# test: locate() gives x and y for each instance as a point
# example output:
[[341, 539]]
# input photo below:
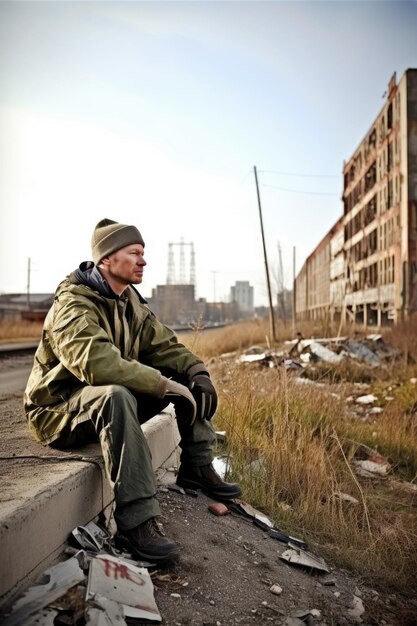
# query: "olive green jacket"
[[91, 339]]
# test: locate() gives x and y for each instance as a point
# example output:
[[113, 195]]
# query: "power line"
[[311, 193], [300, 175]]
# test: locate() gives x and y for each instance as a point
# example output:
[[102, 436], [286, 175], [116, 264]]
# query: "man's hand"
[[205, 396], [183, 400]]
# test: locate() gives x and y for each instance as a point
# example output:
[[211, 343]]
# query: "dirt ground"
[[228, 565]]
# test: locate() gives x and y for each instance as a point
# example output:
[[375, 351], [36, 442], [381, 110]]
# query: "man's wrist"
[[196, 370]]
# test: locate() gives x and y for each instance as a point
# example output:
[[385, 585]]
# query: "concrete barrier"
[[33, 532]]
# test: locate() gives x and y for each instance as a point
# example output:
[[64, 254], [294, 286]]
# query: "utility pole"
[[271, 308], [28, 286], [294, 293], [281, 294]]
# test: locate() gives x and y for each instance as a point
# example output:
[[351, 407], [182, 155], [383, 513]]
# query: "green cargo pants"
[[112, 415]]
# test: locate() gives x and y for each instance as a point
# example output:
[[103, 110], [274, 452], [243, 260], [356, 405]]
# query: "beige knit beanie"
[[109, 236]]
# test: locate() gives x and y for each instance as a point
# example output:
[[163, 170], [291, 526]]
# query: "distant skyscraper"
[[242, 293]]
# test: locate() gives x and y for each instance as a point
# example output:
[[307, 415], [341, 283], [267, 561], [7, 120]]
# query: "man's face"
[[125, 266]]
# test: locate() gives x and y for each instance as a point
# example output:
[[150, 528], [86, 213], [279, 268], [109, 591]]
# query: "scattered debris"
[[344, 497], [91, 537], [368, 399], [261, 520], [287, 538], [375, 410], [370, 350], [276, 590], [221, 436], [324, 353], [251, 358], [370, 464], [177, 488], [305, 615], [59, 579], [357, 609], [293, 621], [249, 511], [371, 469], [292, 365], [117, 579], [296, 556], [218, 508], [359, 350], [105, 613], [222, 465]]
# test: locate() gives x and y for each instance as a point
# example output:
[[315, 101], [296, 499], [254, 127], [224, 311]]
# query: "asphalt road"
[[14, 381], [15, 366]]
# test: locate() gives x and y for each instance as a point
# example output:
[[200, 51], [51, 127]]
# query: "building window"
[[389, 156], [370, 177], [389, 197], [389, 116]]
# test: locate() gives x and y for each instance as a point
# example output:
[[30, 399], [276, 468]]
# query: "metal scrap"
[[302, 558], [60, 578], [91, 537], [358, 350], [261, 520], [117, 579]]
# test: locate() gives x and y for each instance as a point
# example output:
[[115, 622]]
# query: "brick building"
[[370, 255]]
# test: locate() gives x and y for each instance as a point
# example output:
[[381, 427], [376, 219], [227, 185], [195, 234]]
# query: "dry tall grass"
[[292, 447], [19, 330]]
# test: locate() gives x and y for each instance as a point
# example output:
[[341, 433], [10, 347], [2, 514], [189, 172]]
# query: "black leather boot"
[[207, 479], [146, 543]]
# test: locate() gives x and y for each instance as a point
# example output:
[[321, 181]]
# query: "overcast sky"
[[155, 114]]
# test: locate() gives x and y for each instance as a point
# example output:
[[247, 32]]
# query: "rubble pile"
[[298, 354], [98, 585]]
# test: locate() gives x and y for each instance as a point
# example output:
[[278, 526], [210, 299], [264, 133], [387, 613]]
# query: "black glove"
[[183, 401], [205, 396]]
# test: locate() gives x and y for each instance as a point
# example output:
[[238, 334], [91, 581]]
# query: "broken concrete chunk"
[[276, 590], [376, 410], [367, 399], [357, 609], [324, 353]]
